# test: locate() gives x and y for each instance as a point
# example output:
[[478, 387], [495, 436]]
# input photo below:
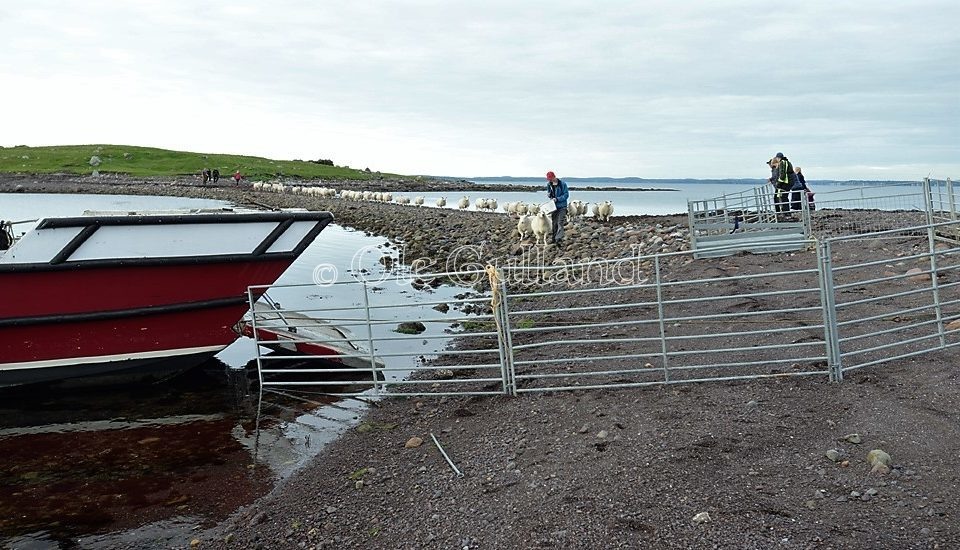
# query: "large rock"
[[879, 461], [917, 275], [415, 327]]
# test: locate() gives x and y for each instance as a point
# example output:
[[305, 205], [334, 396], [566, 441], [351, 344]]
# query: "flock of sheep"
[[531, 221]]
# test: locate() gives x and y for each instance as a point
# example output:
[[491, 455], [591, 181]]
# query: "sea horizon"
[[631, 181]]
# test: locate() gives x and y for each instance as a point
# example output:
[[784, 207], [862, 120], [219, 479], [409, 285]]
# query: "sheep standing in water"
[[418, 201], [464, 203], [542, 227], [441, 202]]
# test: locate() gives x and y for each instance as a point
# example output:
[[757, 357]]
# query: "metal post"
[[256, 338], [934, 284], [928, 199], [663, 328], [931, 244], [507, 368], [952, 199], [373, 359], [692, 224], [831, 333]]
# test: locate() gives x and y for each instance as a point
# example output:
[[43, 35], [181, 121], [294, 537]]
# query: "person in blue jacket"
[[559, 193]]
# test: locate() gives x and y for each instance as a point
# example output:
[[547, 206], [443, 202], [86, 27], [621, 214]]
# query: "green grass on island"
[[150, 162]]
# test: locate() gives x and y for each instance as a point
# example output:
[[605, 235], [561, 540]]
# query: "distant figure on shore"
[[558, 192], [237, 176], [206, 175], [216, 175]]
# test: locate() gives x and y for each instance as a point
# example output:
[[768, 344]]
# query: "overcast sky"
[[648, 88]]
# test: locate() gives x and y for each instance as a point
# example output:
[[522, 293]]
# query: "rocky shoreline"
[[714, 465]]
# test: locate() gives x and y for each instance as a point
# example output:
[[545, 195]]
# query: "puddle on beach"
[[94, 467]]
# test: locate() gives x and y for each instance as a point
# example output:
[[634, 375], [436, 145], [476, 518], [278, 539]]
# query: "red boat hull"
[[120, 288], [67, 319]]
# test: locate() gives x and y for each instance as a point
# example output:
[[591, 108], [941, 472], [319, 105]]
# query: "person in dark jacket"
[[783, 178], [558, 192]]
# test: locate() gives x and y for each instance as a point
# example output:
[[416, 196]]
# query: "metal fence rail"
[[670, 330], [748, 218], [942, 204], [890, 308], [858, 301], [371, 327]]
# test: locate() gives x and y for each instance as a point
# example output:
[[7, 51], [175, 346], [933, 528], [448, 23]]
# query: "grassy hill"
[[147, 161]]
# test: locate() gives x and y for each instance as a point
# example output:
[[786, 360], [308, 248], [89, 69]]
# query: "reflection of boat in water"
[[292, 332], [137, 293]]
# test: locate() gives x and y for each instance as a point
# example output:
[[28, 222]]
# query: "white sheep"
[[523, 227], [418, 201], [441, 202], [463, 203], [542, 227], [605, 210], [492, 204], [480, 204], [577, 209]]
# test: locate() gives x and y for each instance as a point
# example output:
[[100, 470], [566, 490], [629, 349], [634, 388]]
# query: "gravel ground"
[[718, 465]]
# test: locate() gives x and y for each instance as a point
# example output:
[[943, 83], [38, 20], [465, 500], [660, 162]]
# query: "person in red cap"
[[559, 193]]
